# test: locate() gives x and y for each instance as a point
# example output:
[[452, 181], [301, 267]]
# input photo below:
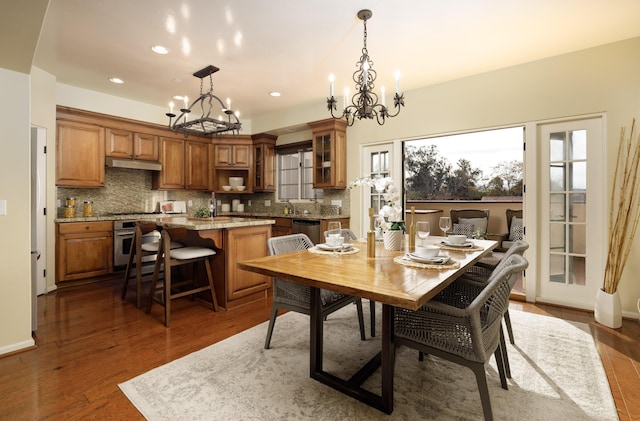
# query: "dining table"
[[391, 278]]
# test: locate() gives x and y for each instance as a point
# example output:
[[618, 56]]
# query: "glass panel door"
[[574, 207], [377, 161]]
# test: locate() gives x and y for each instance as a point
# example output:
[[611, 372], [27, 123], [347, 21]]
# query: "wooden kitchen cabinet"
[[329, 140], [79, 155], [145, 147], [83, 250], [185, 165], [196, 166], [172, 158], [232, 157], [118, 143], [129, 145], [264, 155], [281, 227], [244, 244]]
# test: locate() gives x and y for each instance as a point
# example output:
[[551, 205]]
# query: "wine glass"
[[422, 230], [335, 229], [445, 224]]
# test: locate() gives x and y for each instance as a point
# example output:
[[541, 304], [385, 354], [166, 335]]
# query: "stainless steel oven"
[[123, 237]]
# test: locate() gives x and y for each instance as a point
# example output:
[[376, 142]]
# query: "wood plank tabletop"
[[379, 278]]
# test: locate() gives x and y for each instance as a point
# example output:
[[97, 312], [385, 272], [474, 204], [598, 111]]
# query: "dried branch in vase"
[[624, 211]]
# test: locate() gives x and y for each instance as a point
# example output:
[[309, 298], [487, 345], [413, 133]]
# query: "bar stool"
[[170, 258], [140, 249]]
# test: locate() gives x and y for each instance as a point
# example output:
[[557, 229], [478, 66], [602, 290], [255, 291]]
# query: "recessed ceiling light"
[[274, 93], [116, 80], [159, 49]]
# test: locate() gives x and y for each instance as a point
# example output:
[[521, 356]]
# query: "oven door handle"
[[123, 233]]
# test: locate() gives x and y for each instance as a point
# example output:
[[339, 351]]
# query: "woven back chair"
[[463, 324], [481, 272], [295, 297]]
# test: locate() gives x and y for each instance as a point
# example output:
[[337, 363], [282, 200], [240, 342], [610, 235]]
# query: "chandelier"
[[364, 104], [204, 124]]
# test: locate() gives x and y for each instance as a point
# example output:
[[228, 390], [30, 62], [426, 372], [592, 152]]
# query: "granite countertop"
[[182, 215], [180, 220]]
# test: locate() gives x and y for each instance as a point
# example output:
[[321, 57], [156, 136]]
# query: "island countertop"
[[216, 223]]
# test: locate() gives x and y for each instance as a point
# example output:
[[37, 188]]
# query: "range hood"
[[133, 164]]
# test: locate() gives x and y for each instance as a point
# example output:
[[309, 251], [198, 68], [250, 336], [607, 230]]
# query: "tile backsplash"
[[128, 190]]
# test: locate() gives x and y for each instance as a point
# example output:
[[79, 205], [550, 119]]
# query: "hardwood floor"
[[89, 340]]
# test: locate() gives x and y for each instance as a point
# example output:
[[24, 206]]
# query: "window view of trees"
[[486, 164]]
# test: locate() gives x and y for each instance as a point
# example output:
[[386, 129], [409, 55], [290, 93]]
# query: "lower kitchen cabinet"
[[83, 250], [236, 287], [281, 227]]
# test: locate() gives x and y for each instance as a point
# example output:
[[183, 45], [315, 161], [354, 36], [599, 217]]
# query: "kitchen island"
[[234, 239]]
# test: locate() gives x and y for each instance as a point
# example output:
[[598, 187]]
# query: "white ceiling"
[[292, 46]]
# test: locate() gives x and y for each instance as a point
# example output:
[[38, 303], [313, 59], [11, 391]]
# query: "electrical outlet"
[[190, 203], [267, 202], [249, 202], [3, 207], [336, 202]]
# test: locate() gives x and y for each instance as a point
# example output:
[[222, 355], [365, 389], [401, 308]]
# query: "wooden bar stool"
[[138, 251], [170, 258]]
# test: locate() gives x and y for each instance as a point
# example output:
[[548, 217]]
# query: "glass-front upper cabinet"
[[329, 154]]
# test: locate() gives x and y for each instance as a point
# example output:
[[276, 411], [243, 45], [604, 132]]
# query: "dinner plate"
[[435, 260], [467, 244], [327, 247]]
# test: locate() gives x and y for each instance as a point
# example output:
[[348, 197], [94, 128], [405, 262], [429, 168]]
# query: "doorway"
[[38, 210], [572, 211]]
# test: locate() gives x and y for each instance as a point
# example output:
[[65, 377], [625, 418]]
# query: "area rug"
[[557, 375]]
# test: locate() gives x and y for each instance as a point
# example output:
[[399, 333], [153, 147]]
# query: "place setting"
[[426, 255], [335, 242]]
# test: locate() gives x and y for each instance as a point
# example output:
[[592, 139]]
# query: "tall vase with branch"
[[624, 215]]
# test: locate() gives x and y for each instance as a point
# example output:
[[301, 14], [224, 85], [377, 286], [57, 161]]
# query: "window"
[[469, 166], [295, 177]]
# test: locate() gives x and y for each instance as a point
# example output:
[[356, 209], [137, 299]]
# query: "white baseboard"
[[17, 346]]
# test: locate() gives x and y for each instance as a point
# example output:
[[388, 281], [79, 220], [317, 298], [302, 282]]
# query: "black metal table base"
[[353, 386]]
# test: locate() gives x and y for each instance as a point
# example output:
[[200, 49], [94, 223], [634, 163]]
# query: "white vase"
[[608, 310], [393, 239]]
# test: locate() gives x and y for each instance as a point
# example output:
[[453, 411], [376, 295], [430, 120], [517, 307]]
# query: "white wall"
[[603, 79], [15, 247]]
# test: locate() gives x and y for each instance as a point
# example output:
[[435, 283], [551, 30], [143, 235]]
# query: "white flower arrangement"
[[390, 215]]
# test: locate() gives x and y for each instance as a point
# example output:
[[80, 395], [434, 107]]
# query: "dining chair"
[[349, 235], [481, 272], [168, 290], [463, 325], [295, 297]]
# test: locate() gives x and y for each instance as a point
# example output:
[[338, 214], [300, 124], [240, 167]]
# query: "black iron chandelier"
[[207, 102], [364, 103]]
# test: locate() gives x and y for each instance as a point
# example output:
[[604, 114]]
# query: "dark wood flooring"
[[89, 340]]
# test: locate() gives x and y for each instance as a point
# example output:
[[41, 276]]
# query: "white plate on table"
[[466, 244], [434, 260], [327, 247]]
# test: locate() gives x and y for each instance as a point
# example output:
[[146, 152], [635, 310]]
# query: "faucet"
[[295, 212]]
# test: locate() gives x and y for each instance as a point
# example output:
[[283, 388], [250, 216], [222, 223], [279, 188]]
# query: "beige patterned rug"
[[557, 375]]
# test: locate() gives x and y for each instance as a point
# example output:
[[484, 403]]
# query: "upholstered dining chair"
[[462, 324], [469, 221], [349, 235], [295, 297]]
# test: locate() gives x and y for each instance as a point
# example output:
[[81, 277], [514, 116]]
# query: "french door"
[[377, 161], [572, 212]]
